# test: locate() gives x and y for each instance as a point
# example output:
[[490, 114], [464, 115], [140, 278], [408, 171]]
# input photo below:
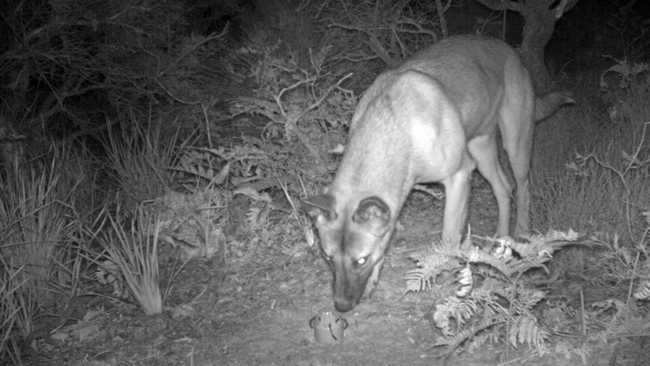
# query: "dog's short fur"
[[433, 119]]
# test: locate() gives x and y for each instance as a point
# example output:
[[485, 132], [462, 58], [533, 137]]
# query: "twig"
[[470, 333], [204, 109], [208, 38], [291, 120], [91, 131], [322, 98], [583, 319], [633, 162], [634, 269], [278, 98], [373, 42], [174, 97], [441, 15]]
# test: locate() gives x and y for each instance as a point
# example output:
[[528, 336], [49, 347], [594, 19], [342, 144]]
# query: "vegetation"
[[135, 142]]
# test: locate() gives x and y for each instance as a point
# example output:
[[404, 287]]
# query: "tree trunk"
[[538, 29], [539, 22]]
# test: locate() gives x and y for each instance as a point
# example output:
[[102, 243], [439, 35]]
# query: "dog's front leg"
[[457, 188]]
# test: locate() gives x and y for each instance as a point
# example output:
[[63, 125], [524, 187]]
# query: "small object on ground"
[[328, 327]]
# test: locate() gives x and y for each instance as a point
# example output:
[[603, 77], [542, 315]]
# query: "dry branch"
[[291, 119]]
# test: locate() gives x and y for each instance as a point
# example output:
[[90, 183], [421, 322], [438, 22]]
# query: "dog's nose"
[[343, 305]]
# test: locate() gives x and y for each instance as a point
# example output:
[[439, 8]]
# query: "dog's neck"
[[376, 164]]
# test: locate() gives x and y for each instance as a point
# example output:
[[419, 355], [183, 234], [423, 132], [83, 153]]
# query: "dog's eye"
[[362, 261]]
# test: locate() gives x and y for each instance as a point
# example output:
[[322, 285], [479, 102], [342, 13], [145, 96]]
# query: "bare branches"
[[325, 95], [441, 14], [391, 30], [633, 161], [90, 63], [203, 40], [381, 52], [408, 25], [291, 118], [373, 43], [404, 25], [293, 86]]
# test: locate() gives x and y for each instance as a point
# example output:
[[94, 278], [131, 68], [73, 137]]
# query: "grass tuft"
[[133, 247]]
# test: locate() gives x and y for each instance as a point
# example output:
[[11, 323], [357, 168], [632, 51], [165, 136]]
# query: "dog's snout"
[[344, 305]]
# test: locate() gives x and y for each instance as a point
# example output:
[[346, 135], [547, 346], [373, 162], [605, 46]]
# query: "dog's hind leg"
[[519, 153], [516, 115], [517, 134], [484, 151]]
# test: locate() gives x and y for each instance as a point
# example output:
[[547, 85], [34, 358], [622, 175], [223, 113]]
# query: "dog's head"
[[354, 234]]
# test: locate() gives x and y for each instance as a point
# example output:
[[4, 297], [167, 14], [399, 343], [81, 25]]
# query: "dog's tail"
[[549, 103]]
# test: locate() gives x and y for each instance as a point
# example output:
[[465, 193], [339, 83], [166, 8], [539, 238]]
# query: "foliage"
[[599, 185], [38, 202], [305, 112], [133, 247], [14, 309], [602, 186], [43, 200], [193, 222], [622, 86], [71, 64], [486, 287], [139, 159], [642, 291], [631, 32], [390, 30]]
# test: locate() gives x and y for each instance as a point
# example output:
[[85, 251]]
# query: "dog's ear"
[[321, 205], [373, 214]]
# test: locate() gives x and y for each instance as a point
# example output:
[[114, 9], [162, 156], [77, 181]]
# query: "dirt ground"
[[257, 312]]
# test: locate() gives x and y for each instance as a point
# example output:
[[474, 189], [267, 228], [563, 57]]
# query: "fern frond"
[[526, 330], [643, 290], [466, 282], [453, 310], [430, 264], [201, 164], [257, 216], [418, 280], [529, 297], [545, 245], [248, 105], [454, 342]]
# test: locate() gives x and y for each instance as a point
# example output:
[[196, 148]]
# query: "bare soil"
[[255, 310]]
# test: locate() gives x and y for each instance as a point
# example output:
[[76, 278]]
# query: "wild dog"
[[432, 119]]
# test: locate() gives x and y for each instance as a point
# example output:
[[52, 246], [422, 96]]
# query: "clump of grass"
[[133, 246], [36, 221], [139, 160], [11, 311], [34, 216]]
